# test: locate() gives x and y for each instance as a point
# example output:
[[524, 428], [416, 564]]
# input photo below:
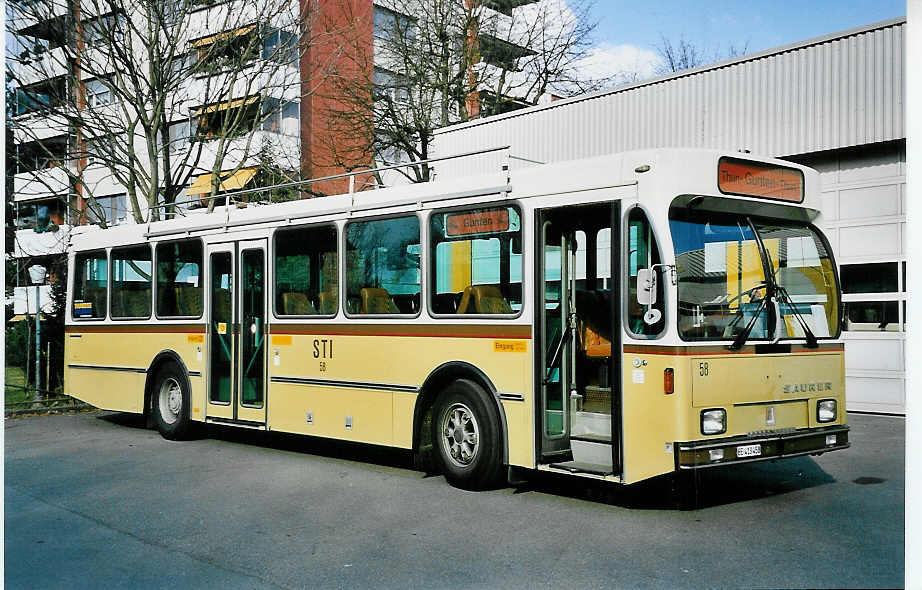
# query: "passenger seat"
[[327, 302], [297, 304], [486, 299], [377, 301]]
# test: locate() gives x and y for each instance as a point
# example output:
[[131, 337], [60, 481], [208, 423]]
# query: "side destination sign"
[[477, 222], [756, 179], [83, 309]]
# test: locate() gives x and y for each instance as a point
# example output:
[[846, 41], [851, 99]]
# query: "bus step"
[[581, 467], [592, 437], [589, 450], [597, 399]]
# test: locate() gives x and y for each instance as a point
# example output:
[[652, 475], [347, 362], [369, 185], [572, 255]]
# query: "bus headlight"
[[713, 421], [826, 410]]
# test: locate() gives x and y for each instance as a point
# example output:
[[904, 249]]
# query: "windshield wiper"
[[744, 335], [808, 333], [739, 307], [785, 297], [770, 285]]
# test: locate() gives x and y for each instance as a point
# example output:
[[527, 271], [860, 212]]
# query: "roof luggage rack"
[[230, 197]]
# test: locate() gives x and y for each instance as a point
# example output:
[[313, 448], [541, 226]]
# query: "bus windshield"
[[721, 268]]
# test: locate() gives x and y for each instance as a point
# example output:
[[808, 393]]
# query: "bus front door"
[[579, 332], [555, 345], [237, 333]]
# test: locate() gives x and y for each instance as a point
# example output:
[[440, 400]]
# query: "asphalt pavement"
[[94, 500]]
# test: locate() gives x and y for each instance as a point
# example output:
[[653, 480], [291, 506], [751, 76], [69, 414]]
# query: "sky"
[[628, 32]]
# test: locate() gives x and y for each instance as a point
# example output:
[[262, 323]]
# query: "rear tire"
[[467, 435], [170, 403]]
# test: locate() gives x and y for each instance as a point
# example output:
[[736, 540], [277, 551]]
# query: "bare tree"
[[536, 50], [150, 94], [440, 62], [685, 55]]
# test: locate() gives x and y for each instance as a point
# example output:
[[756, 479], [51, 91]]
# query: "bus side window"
[[476, 261], [131, 270], [179, 279], [90, 276], [306, 271], [642, 252], [382, 266]]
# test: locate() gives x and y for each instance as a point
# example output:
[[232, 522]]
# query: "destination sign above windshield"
[[756, 179]]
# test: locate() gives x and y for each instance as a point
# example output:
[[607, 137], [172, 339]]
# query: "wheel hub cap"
[[170, 401], [460, 434], [175, 400]]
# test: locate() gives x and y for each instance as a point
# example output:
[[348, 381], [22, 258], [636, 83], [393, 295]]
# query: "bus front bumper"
[[762, 447]]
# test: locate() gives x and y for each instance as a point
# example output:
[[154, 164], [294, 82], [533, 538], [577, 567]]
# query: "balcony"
[[505, 7], [27, 15], [32, 67], [99, 180], [37, 126], [278, 81], [41, 184], [220, 17], [32, 243], [285, 148], [97, 62], [33, 107]]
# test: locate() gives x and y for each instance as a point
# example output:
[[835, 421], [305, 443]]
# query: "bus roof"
[[660, 175]]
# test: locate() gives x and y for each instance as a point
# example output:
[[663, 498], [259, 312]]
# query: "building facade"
[[257, 83], [834, 103], [82, 151]]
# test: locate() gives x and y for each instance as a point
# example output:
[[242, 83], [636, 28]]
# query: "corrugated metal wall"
[[837, 91], [809, 101]]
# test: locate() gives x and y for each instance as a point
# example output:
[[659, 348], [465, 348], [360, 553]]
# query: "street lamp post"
[[37, 274]]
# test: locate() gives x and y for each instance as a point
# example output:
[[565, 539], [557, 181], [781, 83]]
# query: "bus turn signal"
[[668, 381]]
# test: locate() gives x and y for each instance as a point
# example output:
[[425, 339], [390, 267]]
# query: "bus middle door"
[[237, 333]]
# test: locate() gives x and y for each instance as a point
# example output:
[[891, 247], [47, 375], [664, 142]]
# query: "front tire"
[[467, 435], [170, 403]]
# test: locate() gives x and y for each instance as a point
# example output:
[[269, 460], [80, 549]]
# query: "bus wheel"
[[170, 403], [467, 434]]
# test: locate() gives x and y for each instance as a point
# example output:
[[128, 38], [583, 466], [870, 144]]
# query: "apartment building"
[[257, 83], [74, 130]]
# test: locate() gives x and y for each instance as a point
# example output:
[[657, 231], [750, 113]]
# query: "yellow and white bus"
[[616, 318]]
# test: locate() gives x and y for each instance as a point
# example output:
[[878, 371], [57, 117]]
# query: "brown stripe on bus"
[[415, 330], [715, 350]]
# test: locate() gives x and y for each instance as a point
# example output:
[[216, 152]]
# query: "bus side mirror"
[[646, 286]]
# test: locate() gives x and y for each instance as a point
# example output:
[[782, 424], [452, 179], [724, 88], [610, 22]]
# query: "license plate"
[[749, 451]]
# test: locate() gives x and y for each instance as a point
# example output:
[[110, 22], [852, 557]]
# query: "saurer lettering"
[[807, 387]]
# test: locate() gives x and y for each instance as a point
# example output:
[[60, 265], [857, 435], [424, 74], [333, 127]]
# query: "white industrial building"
[[834, 103]]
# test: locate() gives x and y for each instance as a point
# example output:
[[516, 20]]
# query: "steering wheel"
[[749, 291]]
